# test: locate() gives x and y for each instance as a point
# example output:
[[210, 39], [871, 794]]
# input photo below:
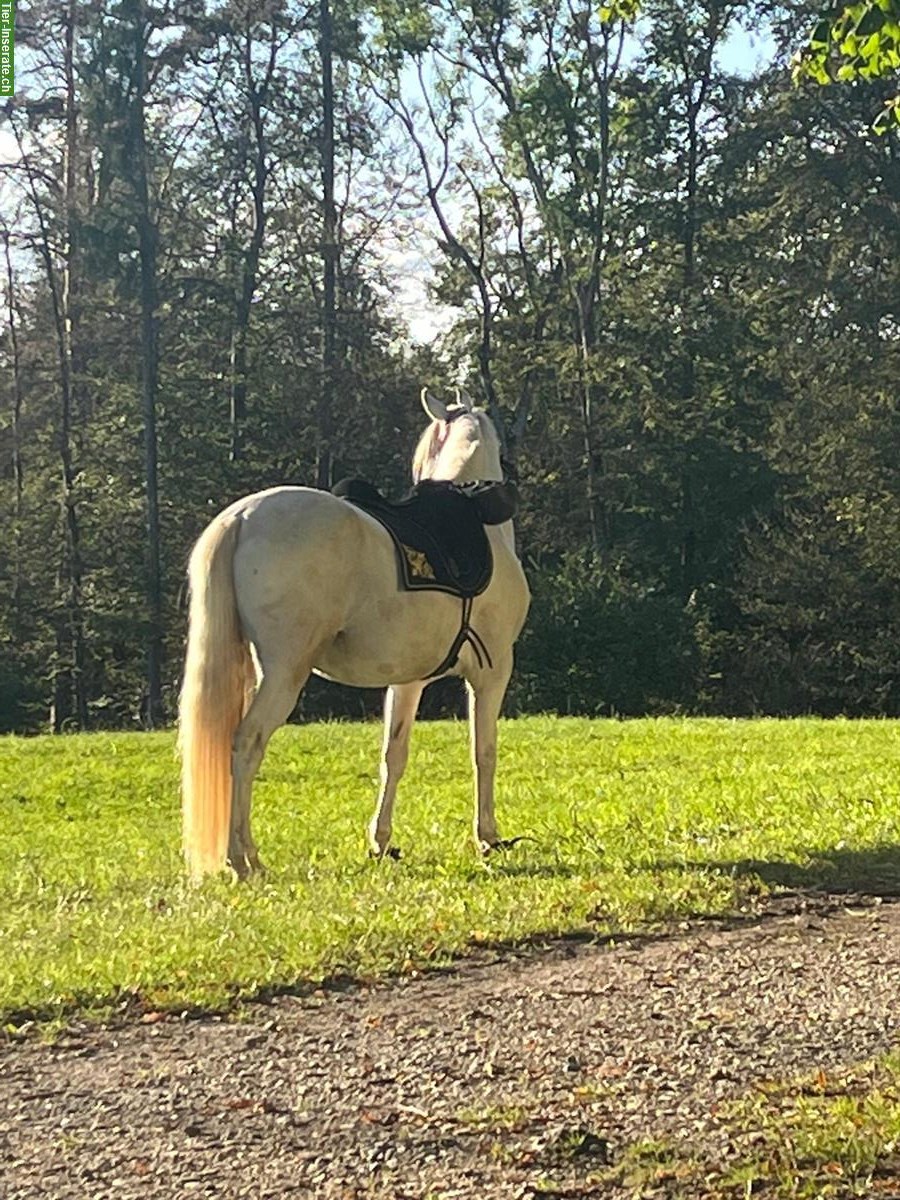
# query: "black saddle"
[[438, 529]]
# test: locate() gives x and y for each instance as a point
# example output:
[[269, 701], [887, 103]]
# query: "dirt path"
[[476, 1083]]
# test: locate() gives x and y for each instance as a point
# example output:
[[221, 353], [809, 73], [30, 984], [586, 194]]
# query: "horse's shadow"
[[874, 871], [511, 870]]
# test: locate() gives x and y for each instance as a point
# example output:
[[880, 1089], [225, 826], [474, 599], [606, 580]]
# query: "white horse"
[[294, 580]]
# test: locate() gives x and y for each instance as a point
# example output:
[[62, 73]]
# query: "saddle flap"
[[497, 501], [439, 533]]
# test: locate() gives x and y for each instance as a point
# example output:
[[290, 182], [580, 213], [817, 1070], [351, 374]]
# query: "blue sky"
[[744, 52]]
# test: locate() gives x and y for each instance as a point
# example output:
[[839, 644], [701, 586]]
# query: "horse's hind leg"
[[400, 706], [270, 707], [485, 701]]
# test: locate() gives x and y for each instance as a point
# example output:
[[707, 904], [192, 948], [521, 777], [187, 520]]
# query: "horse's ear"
[[464, 400], [436, 409]]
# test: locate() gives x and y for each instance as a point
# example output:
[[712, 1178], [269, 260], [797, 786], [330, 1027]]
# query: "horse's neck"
[[477, 469], [508, 533]]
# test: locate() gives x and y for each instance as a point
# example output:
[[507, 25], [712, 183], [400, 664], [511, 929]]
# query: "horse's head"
[[460, 445]]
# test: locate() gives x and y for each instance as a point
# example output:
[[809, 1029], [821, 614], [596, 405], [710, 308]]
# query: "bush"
[[596, 644]]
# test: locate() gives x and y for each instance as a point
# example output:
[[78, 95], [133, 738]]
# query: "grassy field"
[[633, 823]]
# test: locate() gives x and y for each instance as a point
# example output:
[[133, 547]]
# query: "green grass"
[[817, 1138], [634, 824]]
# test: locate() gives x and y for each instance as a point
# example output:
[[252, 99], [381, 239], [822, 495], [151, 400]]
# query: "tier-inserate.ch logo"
[[7, 48]]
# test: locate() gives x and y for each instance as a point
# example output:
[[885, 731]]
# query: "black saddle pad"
[[438, 530]]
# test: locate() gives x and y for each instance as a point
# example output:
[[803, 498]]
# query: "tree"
[[69, 696], [858, 41], [325, 407], [256, 95]]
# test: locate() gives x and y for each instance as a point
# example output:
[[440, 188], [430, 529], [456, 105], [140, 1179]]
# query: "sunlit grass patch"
[[501, 1117], [627, 825], [823, 1136], [829, 1135]]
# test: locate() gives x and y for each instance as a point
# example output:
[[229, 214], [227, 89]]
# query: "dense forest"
[[676, 284]]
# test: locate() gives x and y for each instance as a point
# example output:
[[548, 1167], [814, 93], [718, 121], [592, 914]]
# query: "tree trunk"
[[593, 463], [16, 433], [324, 415], [250, 269], [694, 101], [73, 407], [72, 268], [68, 667], [148, 243]]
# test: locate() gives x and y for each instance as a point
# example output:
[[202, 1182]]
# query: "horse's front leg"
[[400, 705], [485, 701]]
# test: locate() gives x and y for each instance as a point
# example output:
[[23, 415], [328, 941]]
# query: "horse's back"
[[312, 570], [285, 513], [294, 543], [316, 581]]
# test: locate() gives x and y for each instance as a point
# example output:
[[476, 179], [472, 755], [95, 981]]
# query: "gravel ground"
[[481, 1082]]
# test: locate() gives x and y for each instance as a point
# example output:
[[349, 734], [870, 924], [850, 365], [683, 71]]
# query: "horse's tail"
[[212, 697]]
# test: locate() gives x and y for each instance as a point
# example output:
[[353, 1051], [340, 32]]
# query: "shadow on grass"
[[874, 871], [819, 883], [495, 869]]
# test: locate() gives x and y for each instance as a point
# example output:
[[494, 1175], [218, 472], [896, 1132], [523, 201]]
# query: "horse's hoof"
[[391, 852], [246, 867], [502, 844]]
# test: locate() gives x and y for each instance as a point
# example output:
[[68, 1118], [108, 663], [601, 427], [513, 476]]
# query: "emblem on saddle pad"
[[417, 561]]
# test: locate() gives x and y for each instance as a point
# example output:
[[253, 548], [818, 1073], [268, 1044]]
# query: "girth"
[[466, 634]]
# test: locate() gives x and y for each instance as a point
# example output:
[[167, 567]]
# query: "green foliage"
[[628, 824], [405, 29], [855, 42], [816, 628], [620, 10], [19, 695], [596, 645]]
